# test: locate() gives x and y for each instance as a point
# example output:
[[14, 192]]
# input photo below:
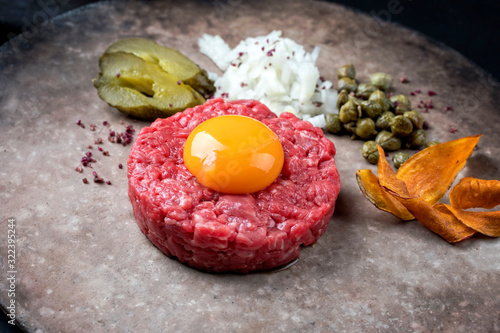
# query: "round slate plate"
[[82, 263]]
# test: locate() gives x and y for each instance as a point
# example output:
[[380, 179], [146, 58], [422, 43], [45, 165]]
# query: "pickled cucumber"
[[141, 88], [170, 60], [149, 81]]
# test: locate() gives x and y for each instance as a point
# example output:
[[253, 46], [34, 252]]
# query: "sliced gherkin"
[[169, 60], [141, 88]]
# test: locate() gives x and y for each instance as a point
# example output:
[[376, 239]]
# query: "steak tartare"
[[219, 232]]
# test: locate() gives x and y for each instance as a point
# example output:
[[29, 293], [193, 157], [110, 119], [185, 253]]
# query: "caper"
[[333, 123], [356, 100], [415, 117], [346, 71], [416, 139], [384, 120], [372, 109], [431, 143], [401, 104], [399, 158], [381, 98], [370, 152], [365, 128], [388, 141], [342, 98], [365, 90], [347, 83], [381, 80], [401, 126], [349, 112], [351, 128]]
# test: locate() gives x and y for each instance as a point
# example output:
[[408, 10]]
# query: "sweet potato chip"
[[487, 223], [387, 177], [421, 182], [377, 195], [475, 193], [429, 173], [438, 219]]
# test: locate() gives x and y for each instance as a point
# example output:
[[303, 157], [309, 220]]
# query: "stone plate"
[[81, 262]]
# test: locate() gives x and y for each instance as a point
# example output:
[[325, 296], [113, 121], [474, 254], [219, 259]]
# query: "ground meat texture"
[[218, 232]]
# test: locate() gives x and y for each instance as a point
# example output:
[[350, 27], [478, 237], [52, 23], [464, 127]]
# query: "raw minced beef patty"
[[220, 232]]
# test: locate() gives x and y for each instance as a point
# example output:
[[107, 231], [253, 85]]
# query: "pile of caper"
[[366, 113]]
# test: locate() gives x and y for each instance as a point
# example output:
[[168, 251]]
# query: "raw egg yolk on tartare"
[[234, 154]]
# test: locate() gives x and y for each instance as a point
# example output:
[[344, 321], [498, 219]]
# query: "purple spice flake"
[[98, 179], [170, 105], [240, 54], [431, 93], [85, 180], [90, 147], [120, 166], [100, 148], [412, 93], [108, 182], [447, 108], [79, 169], [105, 153], [453, 130], [92, 127], [118, 75], [418, 91], [262, 48], [179, 82], [94, 173], [404, 79], [98, 141], [112, 133]]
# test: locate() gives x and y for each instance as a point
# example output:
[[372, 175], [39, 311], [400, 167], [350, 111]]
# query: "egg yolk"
[[234, 154]]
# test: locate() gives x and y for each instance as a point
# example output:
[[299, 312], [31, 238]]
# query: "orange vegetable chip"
[[377, 195], [487, 223], [387, 177], [472, 193], [429, 173], [438, 219], [420, 183]]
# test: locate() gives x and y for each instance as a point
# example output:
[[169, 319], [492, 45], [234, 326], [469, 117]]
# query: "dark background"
[[468, 26]]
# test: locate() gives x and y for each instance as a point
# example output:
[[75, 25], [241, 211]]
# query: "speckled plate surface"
[[82, 263]]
